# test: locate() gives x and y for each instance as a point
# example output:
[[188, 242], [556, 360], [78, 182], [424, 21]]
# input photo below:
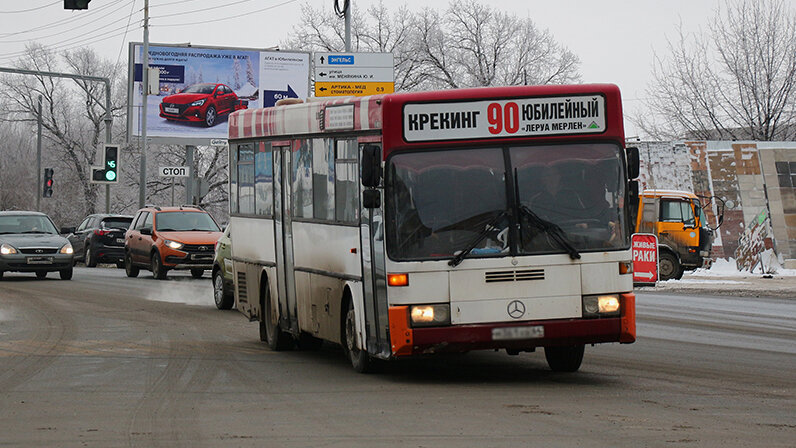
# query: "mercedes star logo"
[[516, 309]]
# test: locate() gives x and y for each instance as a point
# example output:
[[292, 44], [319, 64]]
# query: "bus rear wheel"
[[270, 333], [564, 359], [360, 359]]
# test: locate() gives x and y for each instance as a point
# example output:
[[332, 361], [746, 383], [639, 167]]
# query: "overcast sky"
[[614, 39]]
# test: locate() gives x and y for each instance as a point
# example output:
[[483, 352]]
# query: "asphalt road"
[[107, 361]]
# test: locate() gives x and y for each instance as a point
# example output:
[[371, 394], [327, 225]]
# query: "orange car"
[[165, 238]]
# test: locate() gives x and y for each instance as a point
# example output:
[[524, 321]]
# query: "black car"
[[100, 239]]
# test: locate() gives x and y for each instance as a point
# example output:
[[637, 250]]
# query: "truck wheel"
[[564, 359], [668, 267]]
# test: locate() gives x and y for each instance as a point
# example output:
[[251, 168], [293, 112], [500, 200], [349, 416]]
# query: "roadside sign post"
[[172, 172], [353, 74], [645, 258]]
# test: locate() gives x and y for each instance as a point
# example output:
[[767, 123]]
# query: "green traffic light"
[[110, 175]]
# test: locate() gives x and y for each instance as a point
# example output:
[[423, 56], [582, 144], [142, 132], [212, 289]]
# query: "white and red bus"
[[417, 223]]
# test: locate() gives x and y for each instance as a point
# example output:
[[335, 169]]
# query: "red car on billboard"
[[201, 103]]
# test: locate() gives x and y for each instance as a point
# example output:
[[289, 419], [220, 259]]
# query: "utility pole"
[[347, 26], [145, 82]]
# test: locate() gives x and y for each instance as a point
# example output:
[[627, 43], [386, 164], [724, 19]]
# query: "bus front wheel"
[[360, 359], [564, 359]]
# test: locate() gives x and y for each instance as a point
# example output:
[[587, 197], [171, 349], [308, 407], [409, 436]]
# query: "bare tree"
[[468, 45], [73, 123], [735, 82]]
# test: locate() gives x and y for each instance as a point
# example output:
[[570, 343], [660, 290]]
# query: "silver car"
[[29, 242]]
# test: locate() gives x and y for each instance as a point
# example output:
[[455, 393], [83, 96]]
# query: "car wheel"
[[41, 274], [66, 274], [197, 273], [564, 359], [270, 332], [129, 269], [210, 116], [360, 359], [91, 260], [221, 294], [668, 267], [158, 271]]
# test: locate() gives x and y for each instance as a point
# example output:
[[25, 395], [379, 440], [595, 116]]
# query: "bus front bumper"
[[408, 341]]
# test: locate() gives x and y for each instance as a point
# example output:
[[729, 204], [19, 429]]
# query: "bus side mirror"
[[632, 162], [371, 166], [371, 199], [632, 193]]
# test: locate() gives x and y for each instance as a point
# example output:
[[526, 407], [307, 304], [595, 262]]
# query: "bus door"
[[286, 282], [374, 277]]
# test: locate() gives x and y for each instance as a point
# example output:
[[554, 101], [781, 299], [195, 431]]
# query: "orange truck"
[[677, 218]]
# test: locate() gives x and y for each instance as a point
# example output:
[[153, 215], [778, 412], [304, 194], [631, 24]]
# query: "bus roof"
[[448, 107]]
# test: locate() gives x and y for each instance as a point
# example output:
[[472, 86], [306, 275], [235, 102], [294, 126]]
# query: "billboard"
[[200, 86]]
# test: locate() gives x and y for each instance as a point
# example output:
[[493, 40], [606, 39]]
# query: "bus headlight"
[[430, 315], [601, 305]]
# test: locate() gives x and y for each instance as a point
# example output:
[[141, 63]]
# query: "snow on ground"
[[727, 268]]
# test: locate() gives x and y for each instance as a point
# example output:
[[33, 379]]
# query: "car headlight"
[[430, 315], [601, 305], [66, 249], [173, 244], [198, 103], [7, 249]]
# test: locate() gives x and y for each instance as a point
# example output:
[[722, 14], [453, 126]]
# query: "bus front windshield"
[[519, 200]]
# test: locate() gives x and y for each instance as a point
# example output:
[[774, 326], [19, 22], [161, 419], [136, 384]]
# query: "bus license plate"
[[40, 260], [513, 333], [171, 110]]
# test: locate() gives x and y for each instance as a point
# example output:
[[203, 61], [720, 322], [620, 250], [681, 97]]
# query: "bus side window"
[[302, 179], [246, 178], [264, 180], [233, 179], [323, 179], [346, 181]]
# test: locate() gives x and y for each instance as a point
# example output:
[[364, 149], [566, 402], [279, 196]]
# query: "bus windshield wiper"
[[458, 258], [552, 229]]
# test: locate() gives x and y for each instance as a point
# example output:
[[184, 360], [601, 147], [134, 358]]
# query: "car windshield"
[[200, 88], [116, 223], [185, 221], [560, 199], [26, 224]]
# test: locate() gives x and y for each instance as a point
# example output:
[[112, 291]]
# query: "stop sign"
[[645, 258]]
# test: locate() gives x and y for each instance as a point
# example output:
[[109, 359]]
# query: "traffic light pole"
[[145, 82]]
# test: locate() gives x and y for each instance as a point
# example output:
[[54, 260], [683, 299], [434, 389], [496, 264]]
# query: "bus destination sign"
[[520, 117]]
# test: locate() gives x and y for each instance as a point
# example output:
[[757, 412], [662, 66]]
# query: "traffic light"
[[47, 190], [111, 163], [76, 4]]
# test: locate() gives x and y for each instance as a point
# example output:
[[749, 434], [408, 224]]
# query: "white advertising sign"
[[518, 117], [199, 87]]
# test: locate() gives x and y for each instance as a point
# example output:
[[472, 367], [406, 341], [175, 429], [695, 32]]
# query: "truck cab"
[[679, 222]]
